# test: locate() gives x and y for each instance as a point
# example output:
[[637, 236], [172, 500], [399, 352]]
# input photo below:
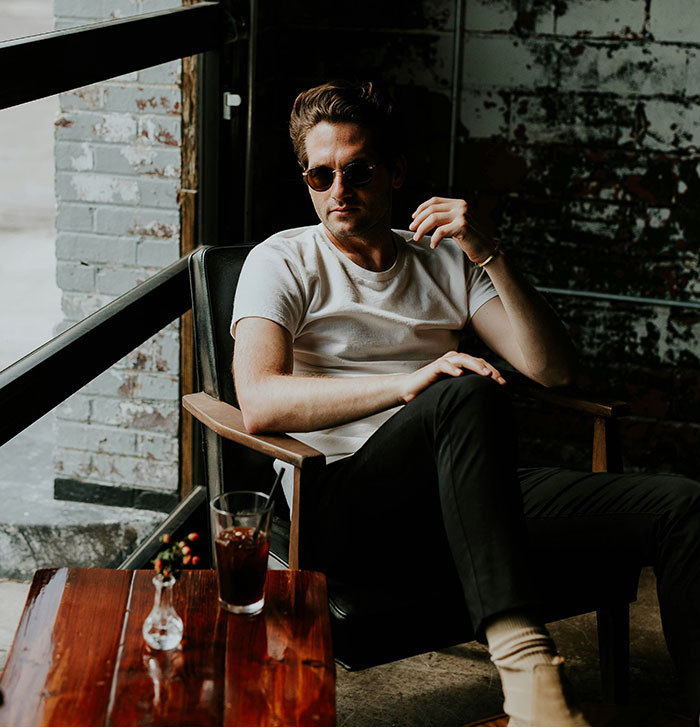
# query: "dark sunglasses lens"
[[358, 174], [320, 178]]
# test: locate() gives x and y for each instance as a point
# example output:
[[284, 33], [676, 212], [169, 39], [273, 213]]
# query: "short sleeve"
[[269, 287], [480, 289]]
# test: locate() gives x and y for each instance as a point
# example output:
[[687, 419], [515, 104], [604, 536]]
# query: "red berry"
[[186, 559], [186, 550], [158, 565], [192, 537], [165, 538], [195, 560]]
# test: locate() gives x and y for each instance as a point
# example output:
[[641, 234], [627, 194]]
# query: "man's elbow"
[[255, 420], [558, 376]]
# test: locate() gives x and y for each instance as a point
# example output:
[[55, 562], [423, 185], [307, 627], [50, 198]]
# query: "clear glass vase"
[[162, 628]]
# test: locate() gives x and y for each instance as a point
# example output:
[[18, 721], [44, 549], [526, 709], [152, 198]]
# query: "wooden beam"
[[189, 182]]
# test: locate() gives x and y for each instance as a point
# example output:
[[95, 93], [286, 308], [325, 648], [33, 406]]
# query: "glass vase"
[[162, 628]]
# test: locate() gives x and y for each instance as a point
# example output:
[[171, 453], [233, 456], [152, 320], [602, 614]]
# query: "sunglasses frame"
[[343, 171]]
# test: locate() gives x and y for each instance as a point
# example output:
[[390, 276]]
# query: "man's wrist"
[[490, 258]]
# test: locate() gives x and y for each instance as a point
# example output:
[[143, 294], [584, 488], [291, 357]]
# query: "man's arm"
[[273, 400], [519, 325]]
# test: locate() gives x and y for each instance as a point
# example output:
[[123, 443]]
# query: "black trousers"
[[435, 494]]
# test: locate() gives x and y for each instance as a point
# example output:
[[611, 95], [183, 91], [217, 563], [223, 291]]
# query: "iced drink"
[[241, 566], [241, 532]]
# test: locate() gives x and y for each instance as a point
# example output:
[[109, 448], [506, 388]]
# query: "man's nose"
[[340, 188]]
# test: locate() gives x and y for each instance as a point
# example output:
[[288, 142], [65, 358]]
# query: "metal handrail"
[[50, 63], [37, 383]]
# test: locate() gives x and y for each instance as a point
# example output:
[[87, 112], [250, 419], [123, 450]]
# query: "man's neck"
[[372, 253]]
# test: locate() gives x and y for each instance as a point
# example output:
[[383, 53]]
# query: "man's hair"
[[336, 102]]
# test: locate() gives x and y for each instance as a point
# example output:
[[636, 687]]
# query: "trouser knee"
[[471, 395]]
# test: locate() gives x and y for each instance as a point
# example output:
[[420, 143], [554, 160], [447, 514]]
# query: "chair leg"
[[614, 649]]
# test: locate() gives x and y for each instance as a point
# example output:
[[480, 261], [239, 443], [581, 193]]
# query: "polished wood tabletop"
[[79, 658]]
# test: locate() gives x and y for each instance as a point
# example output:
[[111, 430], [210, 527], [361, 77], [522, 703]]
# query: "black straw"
[[269, 500]]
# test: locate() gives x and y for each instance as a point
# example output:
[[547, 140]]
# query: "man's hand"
[[452, 363], [449, 218]]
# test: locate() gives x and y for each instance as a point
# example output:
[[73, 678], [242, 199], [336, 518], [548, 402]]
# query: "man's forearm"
[[548, 355], [288, 403]]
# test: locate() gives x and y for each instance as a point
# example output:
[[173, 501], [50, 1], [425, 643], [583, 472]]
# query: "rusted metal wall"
[[577, 143]]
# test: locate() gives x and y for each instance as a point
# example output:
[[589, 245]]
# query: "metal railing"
[[51, 63]]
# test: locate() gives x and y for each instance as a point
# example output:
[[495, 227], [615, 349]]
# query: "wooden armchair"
[[370, 627]]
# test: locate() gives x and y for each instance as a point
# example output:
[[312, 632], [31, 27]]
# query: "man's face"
[[345, 211]]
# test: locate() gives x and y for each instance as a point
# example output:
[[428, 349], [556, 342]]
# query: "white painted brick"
[[485, 15], [117, 280], [93, 9], [156, 254], [75, 276], [693, 77], [489, 16], [163, 130], [139, 158], [602, 18], [509, 62], [76, 306], [95, 187], [157, 446], [117, 469], [671, 125], [159, 353], [125, 8], [165, 73], [131, 385], [131, 77], [75, 408], [93, 438], [626, 68], [484, 114], [157, 224], [78, 217], [90, 98], [95, 248], [118, 169], [158, 192], [143, 99], [74, 156], [675, 20], [151, 416], [91, 126]]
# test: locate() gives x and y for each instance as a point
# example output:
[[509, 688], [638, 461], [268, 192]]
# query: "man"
[[346, 335]]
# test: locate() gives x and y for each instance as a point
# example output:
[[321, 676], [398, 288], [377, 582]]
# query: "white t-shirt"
[[348, 321]]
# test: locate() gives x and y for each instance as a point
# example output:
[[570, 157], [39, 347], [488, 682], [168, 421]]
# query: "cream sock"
[[519, 647]]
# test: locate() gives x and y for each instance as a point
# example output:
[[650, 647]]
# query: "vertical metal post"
[[252, 66], [457, 58], [210, 111]]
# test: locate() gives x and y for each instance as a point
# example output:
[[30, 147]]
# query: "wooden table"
[[79, 659]]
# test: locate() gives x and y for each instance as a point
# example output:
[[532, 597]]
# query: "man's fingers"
[[477, 365]]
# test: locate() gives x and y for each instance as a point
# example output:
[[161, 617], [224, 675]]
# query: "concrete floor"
[[456, 686]]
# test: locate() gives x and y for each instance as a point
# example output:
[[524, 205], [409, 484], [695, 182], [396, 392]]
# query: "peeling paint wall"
[[578, 144], [117, 148]]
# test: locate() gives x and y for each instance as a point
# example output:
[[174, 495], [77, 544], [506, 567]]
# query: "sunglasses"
[[356, 174]]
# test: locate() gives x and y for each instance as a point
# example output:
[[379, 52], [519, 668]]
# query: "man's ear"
[[398, 172]]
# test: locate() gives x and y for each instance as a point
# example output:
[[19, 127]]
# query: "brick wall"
[[117, 147], [577, 143]]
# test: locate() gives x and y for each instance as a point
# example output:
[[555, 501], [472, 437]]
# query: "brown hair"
[[361, 103]]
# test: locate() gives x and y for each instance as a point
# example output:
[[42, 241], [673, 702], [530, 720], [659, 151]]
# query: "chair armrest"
[[568, 397], [227, 422]]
